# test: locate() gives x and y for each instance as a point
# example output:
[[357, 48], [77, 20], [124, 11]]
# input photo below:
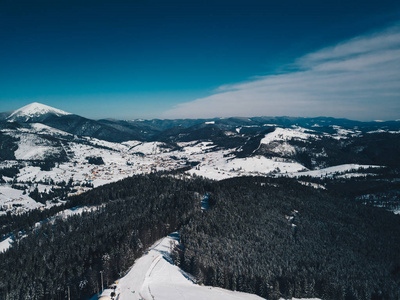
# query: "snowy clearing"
[[332, 171], [14, 200], [217, 166]]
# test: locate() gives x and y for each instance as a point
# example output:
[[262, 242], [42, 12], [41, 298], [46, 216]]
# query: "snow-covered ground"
[[342, 133], [334, 171], [312, 184], [217, 166], [122, 160], [286, 134], [33, 147], [4, 245], [76, 211], [154, 276], [126, 159], [14, 200]]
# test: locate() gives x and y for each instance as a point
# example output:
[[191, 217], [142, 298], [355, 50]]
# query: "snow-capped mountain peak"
[[33, 111]]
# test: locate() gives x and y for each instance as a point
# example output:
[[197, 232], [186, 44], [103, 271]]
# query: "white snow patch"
[[6, 244], [114, 146], [332, 171], [76, 211], [342, 133], [353, 175], [384, 131], [312, 184], [131, 143], [198, 148], [285, 134]]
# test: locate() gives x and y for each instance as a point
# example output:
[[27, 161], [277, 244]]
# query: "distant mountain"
[[35, 112], [70, 123]]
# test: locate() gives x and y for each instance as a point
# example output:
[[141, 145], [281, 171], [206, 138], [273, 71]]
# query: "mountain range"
[[208, 177], [173, 130]]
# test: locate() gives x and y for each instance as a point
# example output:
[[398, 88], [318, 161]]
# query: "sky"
[[188, 59]]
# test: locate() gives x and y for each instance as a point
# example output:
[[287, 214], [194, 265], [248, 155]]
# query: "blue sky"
[[168, 59]]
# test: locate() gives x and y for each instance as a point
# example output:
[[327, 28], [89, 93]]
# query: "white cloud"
[[357, 79]]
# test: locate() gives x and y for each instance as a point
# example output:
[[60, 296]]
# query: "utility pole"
[[69, 295], [102, 288]]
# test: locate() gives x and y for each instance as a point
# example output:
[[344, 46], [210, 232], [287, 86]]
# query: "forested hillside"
[[277, 238], [72, 252]]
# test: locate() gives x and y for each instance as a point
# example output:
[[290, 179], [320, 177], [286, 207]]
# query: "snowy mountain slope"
[[36, 142], [285, 134], [280, 141], [32, 147], [154, 276], [40, 128], [34, 112]]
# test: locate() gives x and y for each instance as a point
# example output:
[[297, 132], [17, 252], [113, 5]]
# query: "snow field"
[[14, 200], [32, 147]]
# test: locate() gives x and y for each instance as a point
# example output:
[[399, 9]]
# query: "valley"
[[48, 159]]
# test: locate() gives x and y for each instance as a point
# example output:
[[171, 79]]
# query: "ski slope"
[[154, 276]]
